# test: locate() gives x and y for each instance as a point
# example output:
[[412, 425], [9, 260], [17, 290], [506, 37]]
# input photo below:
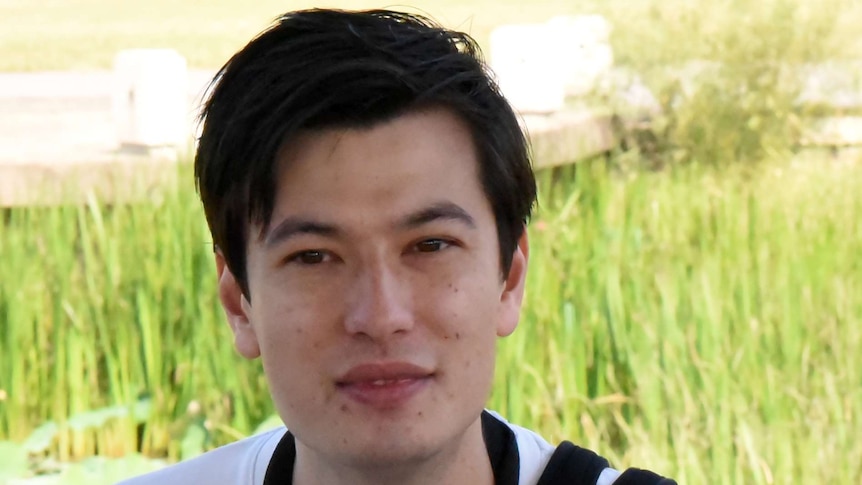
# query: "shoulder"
[[241, 463], [545, 464], [571, 464]]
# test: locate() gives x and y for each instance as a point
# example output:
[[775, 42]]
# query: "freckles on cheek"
[[449, 331]]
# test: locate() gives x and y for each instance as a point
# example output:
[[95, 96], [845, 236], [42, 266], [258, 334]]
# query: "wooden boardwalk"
[[58, 141]]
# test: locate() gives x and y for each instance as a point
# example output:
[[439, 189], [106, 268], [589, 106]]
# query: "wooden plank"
[[60, 175], [569, 136], [62, 149]]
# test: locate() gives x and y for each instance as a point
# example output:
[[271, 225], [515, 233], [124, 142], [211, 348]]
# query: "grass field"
[[705, 324], [704, 320], [87, 34]]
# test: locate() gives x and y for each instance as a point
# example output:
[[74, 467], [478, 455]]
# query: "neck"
[[462, 462]]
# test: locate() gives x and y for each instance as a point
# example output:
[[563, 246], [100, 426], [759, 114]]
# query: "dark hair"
[[316, 69]]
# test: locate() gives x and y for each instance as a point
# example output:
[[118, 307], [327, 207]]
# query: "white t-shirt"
[[245, 462]]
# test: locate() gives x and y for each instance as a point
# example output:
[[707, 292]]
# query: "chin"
[[392, 455]]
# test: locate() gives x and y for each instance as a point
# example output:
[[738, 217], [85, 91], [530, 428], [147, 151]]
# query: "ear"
[[513, 288], [237, 309]]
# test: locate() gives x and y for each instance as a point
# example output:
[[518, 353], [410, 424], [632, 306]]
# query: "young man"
[[367, 188]]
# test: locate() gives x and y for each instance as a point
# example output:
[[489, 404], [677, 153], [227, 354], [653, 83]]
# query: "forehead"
[[419, 130], [418, 153]]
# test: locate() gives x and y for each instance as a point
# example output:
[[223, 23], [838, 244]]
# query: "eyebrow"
[[438, 211], [295, 226]]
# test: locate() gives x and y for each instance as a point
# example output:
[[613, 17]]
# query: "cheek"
[[294, 357], [293, 313], [471, 297], [292, 341], [466, 320]]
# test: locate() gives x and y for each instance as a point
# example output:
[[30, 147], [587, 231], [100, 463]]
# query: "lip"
[[384, 385]]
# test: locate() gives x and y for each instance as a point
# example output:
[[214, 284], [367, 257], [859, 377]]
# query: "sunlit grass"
[[707, 324], [87, 34], [701, 323], [112, 305]]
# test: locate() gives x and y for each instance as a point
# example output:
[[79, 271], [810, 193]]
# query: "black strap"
[[499, 439], [573, 465], [502, 450], [280, 468], [569, 465], [636, 476]]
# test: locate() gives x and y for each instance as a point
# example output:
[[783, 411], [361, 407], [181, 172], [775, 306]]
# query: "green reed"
[[705, 324], [106, 306]]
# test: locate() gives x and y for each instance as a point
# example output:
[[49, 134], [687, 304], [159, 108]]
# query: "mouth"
[[384, 386]]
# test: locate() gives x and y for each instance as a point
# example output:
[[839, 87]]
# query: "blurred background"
[[695, 293]]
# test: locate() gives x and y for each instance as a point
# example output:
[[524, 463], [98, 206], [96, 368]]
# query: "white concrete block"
[[150, 100], [839, 131], [593, 28], [583, 52], [524, 62]]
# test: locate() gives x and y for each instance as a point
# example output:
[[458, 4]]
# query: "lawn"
[[86, 34], [704, 323]]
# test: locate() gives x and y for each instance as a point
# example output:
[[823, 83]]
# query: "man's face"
[[376, 296]]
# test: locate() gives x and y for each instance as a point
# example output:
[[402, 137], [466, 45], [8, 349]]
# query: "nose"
[[380, 304]]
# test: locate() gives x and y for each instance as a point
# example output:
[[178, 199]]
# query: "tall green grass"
[[104, 306], [705, 323], [701, 323]]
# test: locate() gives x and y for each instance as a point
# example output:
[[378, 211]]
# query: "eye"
[[432, 245], [309, 257]]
